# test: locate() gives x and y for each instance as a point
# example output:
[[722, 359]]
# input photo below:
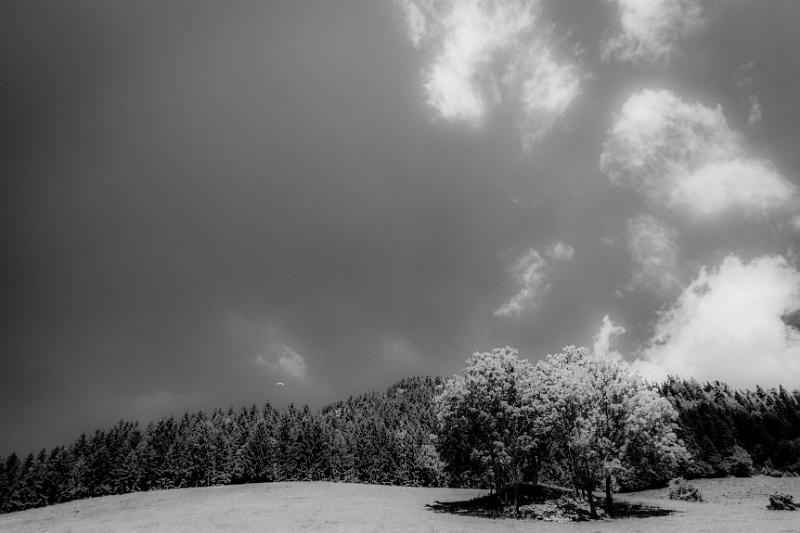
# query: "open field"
[[732, 505]]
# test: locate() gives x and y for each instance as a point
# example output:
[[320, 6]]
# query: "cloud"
[[650, 29], [745, 82], [399, 356], [684, 156], [482, 53], [547, 89], [795, 223], [560, 251], [751, 185], [604, 337], [728, 325], [283, 359], [269, 344], [416, 22], [530, 274], [654, 255]]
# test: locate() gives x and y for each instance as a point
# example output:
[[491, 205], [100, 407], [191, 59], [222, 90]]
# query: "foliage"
[[605, 421], [680, 489], [713, 418], [486, 420], [372, 438], [738, 462], [390, 437], [782, 502]]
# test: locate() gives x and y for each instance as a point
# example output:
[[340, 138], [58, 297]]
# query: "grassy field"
[[731, 505]]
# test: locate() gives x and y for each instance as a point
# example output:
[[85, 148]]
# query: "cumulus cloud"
[[685, 156], [651, 28], [605, 336], [485, 52], [530, 273], [560, 251], [654, 255], [728, 324], [749, 184]]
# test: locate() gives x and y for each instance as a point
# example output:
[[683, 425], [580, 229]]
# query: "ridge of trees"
[[386, 438]]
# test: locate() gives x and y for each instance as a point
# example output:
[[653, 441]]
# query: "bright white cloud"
[[651, 28], [727, 325], [605, 336], [685, 156], [471, 37], [560, 251], [485, 52], [750, 185], [654, 255], [530, 274]]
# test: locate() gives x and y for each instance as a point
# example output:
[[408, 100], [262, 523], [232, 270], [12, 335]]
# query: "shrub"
[[782, 502], [739, 463], [680, 489]]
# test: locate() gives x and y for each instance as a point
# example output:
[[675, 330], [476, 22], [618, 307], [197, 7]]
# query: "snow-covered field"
[[731, 505]]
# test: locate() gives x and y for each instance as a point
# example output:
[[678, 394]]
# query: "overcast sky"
[[202, 199]]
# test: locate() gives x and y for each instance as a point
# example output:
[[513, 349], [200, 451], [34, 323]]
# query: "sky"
[[201, 200]]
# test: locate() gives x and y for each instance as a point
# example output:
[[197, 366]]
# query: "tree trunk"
[[590, 496], [609, 497], [516, 499]]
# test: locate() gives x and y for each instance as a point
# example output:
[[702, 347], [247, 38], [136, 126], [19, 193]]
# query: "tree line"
[[394, 437], [372, 438]]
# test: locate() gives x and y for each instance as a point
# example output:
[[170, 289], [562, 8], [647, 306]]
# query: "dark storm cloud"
[[203, 199]]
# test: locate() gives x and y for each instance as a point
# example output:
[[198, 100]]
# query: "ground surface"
[[731, 505]]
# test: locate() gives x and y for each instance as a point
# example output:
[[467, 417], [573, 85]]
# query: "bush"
[[699, 468], [680, 489], [739, 463], [782, 502]]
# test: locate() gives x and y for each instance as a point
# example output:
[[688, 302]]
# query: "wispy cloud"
[[728, 325], [560, 251], [485, 52], [605, 336], [795, 223], [546, 90], [650, 29], [684, 156], [269, 347], [744, 82], [529, 272], [283, 359], [654, 255], [415, 22]]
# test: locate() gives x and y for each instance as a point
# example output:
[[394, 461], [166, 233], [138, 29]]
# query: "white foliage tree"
[[486, 418], [605, 420]]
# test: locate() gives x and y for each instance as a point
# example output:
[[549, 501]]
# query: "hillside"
[[733, 505], [380, 438]]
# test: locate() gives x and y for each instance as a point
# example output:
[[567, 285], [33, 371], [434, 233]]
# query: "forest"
[[385, 437]]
